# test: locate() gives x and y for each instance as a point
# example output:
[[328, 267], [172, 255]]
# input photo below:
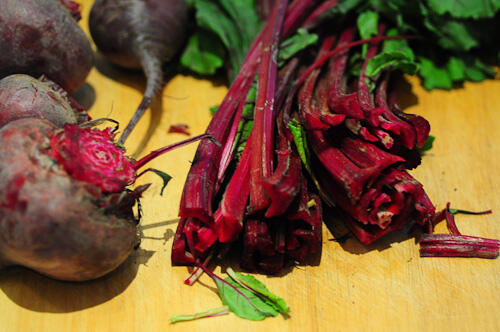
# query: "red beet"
[[65, 209], [139, 34], [39, 37], [51, 222], [22, 96]]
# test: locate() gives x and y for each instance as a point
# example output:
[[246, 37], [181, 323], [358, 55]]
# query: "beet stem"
[[156, 153], [449, 245]]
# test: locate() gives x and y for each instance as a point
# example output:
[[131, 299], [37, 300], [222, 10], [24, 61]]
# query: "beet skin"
[[40, 37], [22, 96], [50, 222]]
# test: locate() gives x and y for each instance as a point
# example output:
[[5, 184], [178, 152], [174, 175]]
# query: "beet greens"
[[318, 124]]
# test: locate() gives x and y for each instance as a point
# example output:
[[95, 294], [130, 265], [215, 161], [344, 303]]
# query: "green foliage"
[[252, 307], [203, 54], [261, 290], [301, 40], [395, 54], [465, 8], [225, 30]]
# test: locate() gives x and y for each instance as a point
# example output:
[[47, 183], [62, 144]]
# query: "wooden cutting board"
[[386, 287]]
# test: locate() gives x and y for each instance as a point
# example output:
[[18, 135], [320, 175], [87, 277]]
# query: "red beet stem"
[[449, 245], [230, 145], [229, 217], [319, 62], [153, 154], [315, 16], [264, 118]]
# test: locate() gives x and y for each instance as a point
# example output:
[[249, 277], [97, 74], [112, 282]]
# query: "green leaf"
[[396, 54], [214, 109], [245, 17], [459, 68], [301, 40], [204, 53], [234, 22], [452, 35], [251, 307], [261, 290], [203, 314], [428, 144], [299, 138], [477, 71], [164, 176], [345, 6], [246, 123], [465, 8], [434, 77], [456, 69], [368, 26]]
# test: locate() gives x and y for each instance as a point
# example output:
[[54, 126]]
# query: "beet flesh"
[[22, 96], [40, 37], [139, 34], [50, 222]]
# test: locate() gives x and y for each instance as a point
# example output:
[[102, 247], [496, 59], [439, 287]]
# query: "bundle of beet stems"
[[263, 191]]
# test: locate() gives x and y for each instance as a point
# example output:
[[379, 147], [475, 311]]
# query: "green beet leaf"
[[475, 9], [246, 123], [428, 144], [396, 54], [368, 27], [299, 138], [252, 307], [301, 40], [234, 22], [261, 290], [434, 77], [456, 68], [204, 53]]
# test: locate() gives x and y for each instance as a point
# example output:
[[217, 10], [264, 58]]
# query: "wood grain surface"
[[386, 287]]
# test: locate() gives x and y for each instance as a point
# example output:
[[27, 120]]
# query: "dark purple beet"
[[139, 34], [40, 37]]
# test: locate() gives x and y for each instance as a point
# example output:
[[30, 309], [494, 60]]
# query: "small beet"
[[22, 96], [40, 37], [139, 34]]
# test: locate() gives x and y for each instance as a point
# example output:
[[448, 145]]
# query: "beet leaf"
[[250, 282]]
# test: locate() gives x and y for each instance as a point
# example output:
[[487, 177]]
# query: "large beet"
[[40, 37], [50, 222], [22, 96]]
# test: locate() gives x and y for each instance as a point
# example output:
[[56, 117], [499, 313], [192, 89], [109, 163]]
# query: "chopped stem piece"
[[449, 245]]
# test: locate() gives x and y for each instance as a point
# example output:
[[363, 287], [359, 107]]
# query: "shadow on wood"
[[85, 96], [36, 292]]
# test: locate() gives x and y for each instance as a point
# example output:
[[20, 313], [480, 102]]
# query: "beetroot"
[[65, 209], [22, 96], [40, 37], [139, 34], [51, 222]]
